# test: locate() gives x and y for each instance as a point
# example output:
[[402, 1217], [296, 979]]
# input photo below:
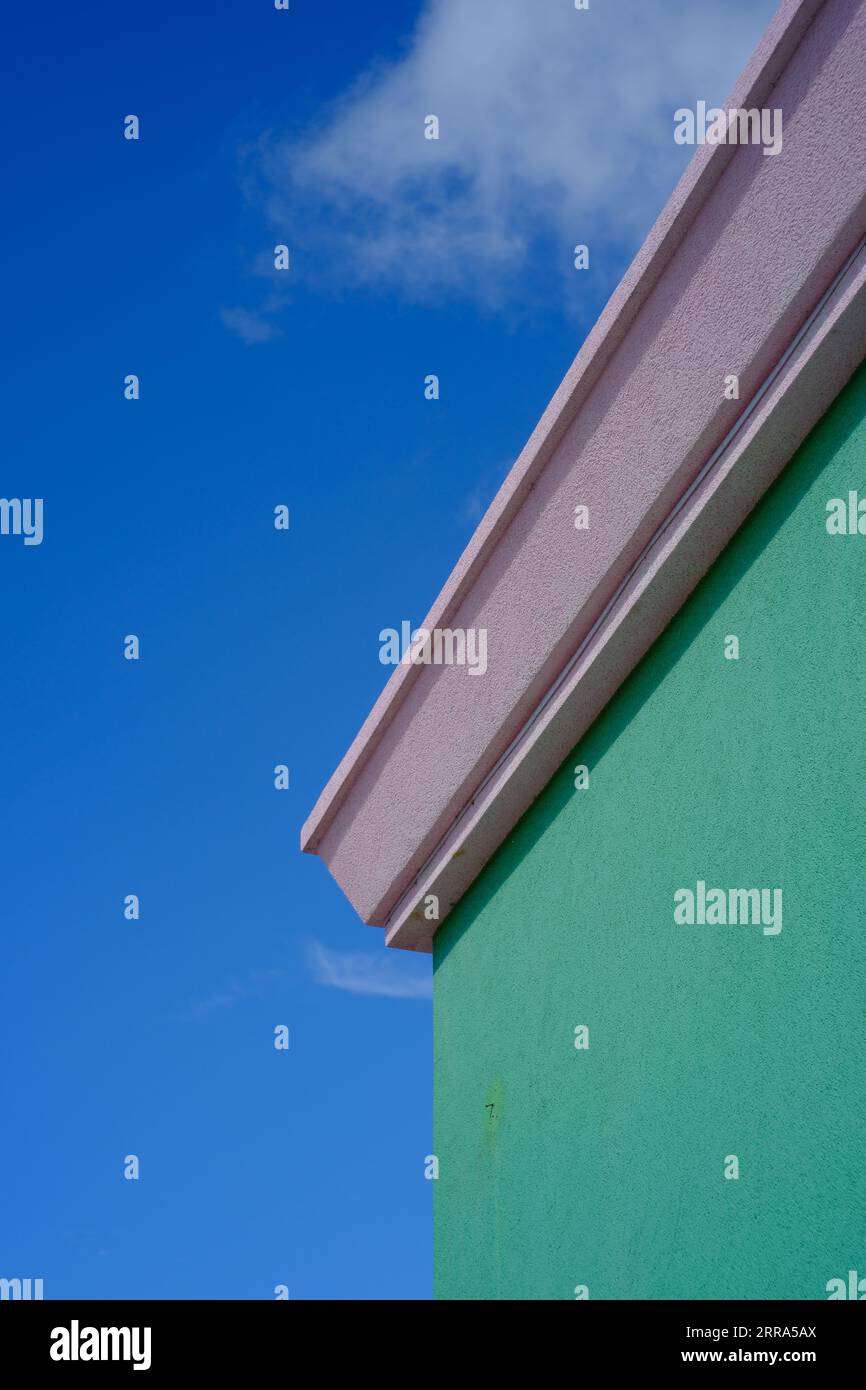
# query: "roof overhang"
[[755, 268]]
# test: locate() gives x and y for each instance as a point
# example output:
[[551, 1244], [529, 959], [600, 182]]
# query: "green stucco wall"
[[605, 1166]]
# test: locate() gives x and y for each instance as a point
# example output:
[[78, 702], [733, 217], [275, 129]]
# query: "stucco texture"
[[604, 1167]]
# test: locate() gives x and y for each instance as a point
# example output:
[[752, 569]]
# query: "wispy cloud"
[[475, 503], [389, 974], [556, 127], [250, 325], [252, 986]]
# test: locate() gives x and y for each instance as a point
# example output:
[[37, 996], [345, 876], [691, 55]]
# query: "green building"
[[616, 783]]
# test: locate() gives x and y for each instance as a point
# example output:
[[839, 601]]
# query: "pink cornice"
[[728, 281]]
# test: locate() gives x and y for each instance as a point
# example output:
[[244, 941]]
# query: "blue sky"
[[259, 647]]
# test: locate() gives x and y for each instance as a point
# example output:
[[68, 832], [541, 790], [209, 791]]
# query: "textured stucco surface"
[[767, 237], [806, 386], [605, 1167]]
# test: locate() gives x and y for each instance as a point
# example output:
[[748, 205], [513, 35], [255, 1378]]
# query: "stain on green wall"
[[605, 1166]]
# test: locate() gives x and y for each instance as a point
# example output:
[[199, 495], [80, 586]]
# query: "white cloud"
[[478, 499], [385, 973], [252, 986], [556, 128], [250, 326]]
